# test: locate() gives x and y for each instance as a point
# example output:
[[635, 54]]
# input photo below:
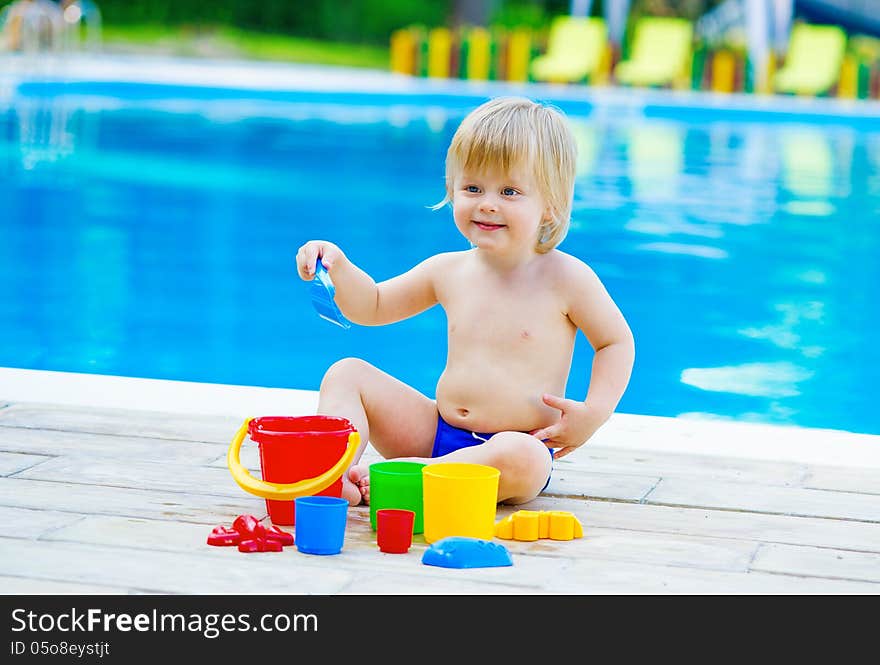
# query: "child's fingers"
[[328, 255], [548, 433], [313, 251], [562, 452], [556, 402], [308, 256], [305, 264]]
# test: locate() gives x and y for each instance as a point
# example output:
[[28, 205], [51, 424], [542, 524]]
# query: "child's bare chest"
[[505, 316]]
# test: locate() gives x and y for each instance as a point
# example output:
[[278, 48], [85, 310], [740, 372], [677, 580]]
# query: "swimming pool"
[[150, 231]]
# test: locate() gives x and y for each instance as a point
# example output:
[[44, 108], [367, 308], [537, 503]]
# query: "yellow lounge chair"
[[575, 47], [812, 63], [661, 53]]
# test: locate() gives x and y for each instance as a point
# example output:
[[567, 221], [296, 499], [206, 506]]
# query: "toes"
[[356, 475]]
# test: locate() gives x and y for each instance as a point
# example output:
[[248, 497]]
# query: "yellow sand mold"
[[534, 524]]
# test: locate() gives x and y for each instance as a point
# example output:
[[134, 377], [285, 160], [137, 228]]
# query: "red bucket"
[[293, 448]]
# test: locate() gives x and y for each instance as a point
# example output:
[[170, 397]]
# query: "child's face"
[[497, 211]]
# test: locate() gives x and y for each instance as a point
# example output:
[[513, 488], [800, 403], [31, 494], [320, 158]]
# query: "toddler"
[[514, 304]]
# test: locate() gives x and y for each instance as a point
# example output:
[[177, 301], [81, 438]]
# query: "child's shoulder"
[[446, 260], [568, 266], [572, 277]]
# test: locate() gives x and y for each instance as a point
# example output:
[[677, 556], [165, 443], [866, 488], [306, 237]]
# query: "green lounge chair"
[[812, 63], [575, 47], [661, 53]]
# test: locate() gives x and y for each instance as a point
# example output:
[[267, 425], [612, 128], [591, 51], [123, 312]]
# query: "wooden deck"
[[121, 501]]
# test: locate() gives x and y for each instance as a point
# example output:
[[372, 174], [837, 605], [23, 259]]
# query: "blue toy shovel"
[[322, 291]]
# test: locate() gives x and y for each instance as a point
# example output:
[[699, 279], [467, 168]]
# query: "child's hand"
[[308, 255], [576, 425]]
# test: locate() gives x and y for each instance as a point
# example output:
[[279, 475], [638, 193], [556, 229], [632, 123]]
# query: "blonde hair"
[[510, 132]]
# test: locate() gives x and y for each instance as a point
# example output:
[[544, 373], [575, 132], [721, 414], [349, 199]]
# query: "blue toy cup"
[[320, 524]]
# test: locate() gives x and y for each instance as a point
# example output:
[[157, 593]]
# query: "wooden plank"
[[645, 547], [818, 532], [608, 460], [585, 577], [535, 562], [221, 571], [451, 583], [141, 571], [117, 537], [126, 502], [765, 499], [60, 442], [141, 502], [819, 562], [133, 533], [843, 479], [575, 483], [31, 523], [249, 456], [129, 423], [30, 586], [11, 463], [363, 556], [121, 472], [532, 570]]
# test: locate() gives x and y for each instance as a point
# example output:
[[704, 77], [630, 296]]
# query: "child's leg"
[[396, 419], [524, 461]]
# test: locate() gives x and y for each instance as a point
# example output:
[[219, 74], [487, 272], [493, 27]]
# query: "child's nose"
[[488, 204]]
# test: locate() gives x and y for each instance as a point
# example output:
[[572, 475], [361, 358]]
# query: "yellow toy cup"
[[459, 500]]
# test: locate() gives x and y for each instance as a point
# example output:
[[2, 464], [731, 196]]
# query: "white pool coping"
[[655, 434], [280, 76]]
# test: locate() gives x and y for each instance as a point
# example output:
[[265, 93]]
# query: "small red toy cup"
[[394, 529]]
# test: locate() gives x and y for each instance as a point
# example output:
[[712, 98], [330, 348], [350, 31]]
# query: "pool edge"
[[630, 432]]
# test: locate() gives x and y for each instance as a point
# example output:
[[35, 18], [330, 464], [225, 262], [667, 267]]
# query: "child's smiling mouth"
[[488, 226]]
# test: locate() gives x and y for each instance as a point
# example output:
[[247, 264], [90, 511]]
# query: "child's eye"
[[509, 191], [472, 188]]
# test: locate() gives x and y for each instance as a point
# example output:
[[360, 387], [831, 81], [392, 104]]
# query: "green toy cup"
[[397, 485]]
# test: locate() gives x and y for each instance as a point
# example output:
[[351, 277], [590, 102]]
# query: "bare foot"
[[350, 491], [359, 479], [356, 485]]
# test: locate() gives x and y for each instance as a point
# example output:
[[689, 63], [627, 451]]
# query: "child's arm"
[[593, 311], [360, 299]]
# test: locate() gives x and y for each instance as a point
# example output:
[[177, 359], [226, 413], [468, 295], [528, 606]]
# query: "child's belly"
[[488, 400]]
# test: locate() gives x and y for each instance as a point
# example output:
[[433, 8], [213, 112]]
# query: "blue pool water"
[[147, 233]]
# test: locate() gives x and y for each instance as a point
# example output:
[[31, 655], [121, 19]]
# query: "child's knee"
[[347, 372], [523, 455]]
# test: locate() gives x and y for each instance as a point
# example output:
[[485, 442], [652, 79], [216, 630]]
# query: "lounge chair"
[[575, 48], [661, 53], [812, 62]]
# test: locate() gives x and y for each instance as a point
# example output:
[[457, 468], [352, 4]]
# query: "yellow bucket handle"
[[288, 492]]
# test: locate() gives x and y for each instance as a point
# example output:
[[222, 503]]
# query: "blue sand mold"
[[463, 552]]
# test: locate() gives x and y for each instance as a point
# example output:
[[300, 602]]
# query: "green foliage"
[[520, 14], [213, 41], [689, 9], [365, 21]]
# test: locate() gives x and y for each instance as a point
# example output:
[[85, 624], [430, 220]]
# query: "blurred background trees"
[[363, 21]]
